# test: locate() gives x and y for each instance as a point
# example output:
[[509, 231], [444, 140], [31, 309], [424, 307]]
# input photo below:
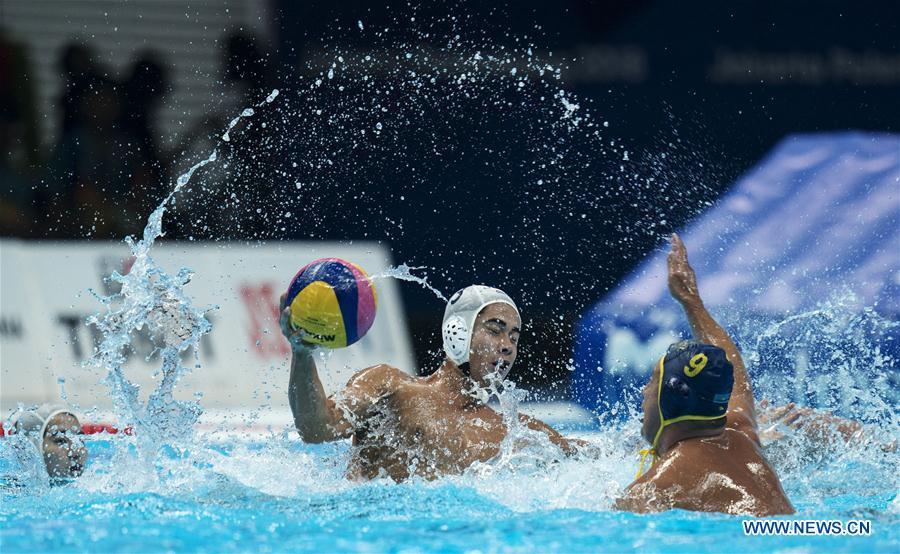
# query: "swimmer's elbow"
[[567, 448], [313, 434], [312, 439]]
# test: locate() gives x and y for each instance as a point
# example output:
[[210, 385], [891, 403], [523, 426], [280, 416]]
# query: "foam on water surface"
[[278, 494]]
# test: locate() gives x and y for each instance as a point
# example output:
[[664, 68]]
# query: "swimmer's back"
[[734, 478]]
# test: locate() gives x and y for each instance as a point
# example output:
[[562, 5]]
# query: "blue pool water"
[[279, 494]]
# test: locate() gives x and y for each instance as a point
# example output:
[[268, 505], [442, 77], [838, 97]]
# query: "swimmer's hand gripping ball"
[[332, 302]]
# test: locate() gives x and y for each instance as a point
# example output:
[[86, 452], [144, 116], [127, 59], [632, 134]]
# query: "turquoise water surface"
[[282, 495]]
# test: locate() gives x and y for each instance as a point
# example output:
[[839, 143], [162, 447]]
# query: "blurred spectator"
[[107, 170], [144, 87], [248, 75], [78, 68], [88, 178], [18, 139], [246, 65], [15, 194], [247, 80]]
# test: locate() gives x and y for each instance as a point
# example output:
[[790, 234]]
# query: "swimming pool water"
[[279, 494]]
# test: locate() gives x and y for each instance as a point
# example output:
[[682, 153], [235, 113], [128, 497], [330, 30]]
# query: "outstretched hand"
[[682, 280], [294, 336], [768, 417], [819, 424]]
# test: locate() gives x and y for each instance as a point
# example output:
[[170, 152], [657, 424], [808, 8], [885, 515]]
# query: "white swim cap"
[[460, 314], [33, 423]]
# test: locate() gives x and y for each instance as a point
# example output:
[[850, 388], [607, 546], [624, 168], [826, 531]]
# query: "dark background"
[[695, 92]]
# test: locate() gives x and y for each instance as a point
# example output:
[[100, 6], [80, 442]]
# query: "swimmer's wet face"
[[494, 344], [64, 452]]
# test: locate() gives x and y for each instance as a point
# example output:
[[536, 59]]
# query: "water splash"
[[248, 112], [153, 300], [403, 272], [835, 356]]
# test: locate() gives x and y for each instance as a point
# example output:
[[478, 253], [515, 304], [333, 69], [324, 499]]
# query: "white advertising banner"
[[48, 292]]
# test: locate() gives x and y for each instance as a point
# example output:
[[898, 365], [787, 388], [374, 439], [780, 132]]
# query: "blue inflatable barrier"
[[800, 261]]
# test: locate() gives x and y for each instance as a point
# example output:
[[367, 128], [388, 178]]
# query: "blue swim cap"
[[695, 384], [696, 379]]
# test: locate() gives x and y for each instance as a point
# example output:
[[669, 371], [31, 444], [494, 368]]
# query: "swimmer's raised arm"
[[320, 418], [315, 416], [683, 287]]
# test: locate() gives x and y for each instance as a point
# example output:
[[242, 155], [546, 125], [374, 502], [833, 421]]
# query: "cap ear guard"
[[676, 397], [678, 386], [456, 337]]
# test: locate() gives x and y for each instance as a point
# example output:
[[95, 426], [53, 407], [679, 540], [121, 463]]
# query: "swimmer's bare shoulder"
[[654, 491], [342, 413], [379, 378], [370, 385]]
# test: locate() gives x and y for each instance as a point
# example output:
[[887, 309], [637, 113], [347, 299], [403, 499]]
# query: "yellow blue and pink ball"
[[333, 302]]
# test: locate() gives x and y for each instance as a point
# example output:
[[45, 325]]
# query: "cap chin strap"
[[465, 369], [652, 451]]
